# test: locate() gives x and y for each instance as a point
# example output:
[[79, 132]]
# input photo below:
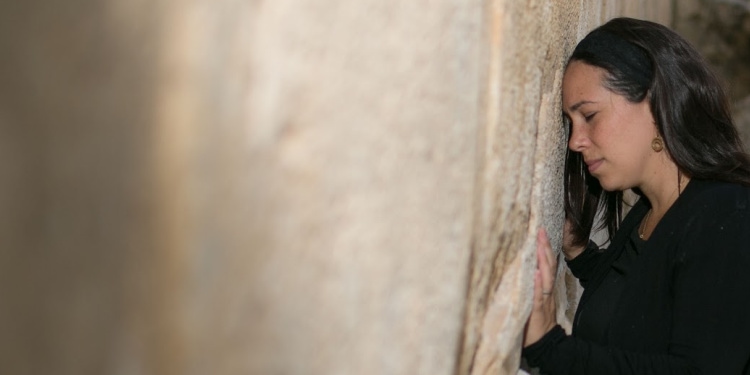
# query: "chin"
[[610, 186]]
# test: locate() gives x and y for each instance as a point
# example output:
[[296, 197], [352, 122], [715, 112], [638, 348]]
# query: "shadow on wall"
[[720, 29]]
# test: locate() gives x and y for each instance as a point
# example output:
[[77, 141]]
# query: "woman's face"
[[612, 134]]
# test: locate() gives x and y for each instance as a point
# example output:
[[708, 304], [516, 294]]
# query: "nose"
[[579, 138]]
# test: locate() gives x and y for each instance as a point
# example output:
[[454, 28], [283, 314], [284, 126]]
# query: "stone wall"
[[279, 187], [720, 29]]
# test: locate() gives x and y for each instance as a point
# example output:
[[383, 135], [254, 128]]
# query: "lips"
[[594, 164]]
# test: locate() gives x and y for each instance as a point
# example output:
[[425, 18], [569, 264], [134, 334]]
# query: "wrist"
[[572, 251], [532, 338]]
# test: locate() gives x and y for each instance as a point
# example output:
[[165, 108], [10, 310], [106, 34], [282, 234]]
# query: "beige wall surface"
[[279, 187]]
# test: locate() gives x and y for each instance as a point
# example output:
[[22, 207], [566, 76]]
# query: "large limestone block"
[[362, 129], [79, 268], [279, 187], [523, 147], [237, 187]]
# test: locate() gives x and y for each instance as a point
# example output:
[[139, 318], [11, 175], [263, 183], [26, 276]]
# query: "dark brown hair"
[[687, 101]]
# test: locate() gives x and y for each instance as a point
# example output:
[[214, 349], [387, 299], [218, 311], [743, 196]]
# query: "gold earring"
[[657, 144]]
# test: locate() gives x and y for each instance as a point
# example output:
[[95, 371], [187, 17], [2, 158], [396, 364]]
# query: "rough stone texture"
[[279, 187], [527, 49], [720, 29]]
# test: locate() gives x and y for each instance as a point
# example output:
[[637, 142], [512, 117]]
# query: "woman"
[[671, 293]]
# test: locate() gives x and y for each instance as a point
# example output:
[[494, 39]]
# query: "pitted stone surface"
[[280, 187]]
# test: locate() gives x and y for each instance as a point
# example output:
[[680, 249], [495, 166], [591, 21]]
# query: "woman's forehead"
[[582, 83]]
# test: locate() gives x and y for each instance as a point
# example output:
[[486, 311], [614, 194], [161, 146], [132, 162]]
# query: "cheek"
[[630, 153], [603, 137]]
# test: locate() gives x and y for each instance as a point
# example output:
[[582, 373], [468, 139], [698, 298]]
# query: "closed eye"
[[589, 116]]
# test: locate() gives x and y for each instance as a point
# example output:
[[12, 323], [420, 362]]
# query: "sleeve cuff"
[[583, 259], [536, 352]]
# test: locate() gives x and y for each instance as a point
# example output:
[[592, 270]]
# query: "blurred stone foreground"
[[280, 187]]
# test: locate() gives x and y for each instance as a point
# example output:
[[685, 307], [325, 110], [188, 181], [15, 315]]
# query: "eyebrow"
[[574, 107]]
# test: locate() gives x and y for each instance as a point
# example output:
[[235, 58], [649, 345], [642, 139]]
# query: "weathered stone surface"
[[279, 187], [522, 112], [720, 30]]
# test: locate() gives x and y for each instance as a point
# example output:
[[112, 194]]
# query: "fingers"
[[547, 263], [543, 314], [538, 289], [546, 247]]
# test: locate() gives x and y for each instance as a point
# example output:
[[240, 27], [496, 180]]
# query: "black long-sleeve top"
[[682, 305]]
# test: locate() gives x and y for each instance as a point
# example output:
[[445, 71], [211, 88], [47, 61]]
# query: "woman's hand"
[[544, 311], [571, 251]]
